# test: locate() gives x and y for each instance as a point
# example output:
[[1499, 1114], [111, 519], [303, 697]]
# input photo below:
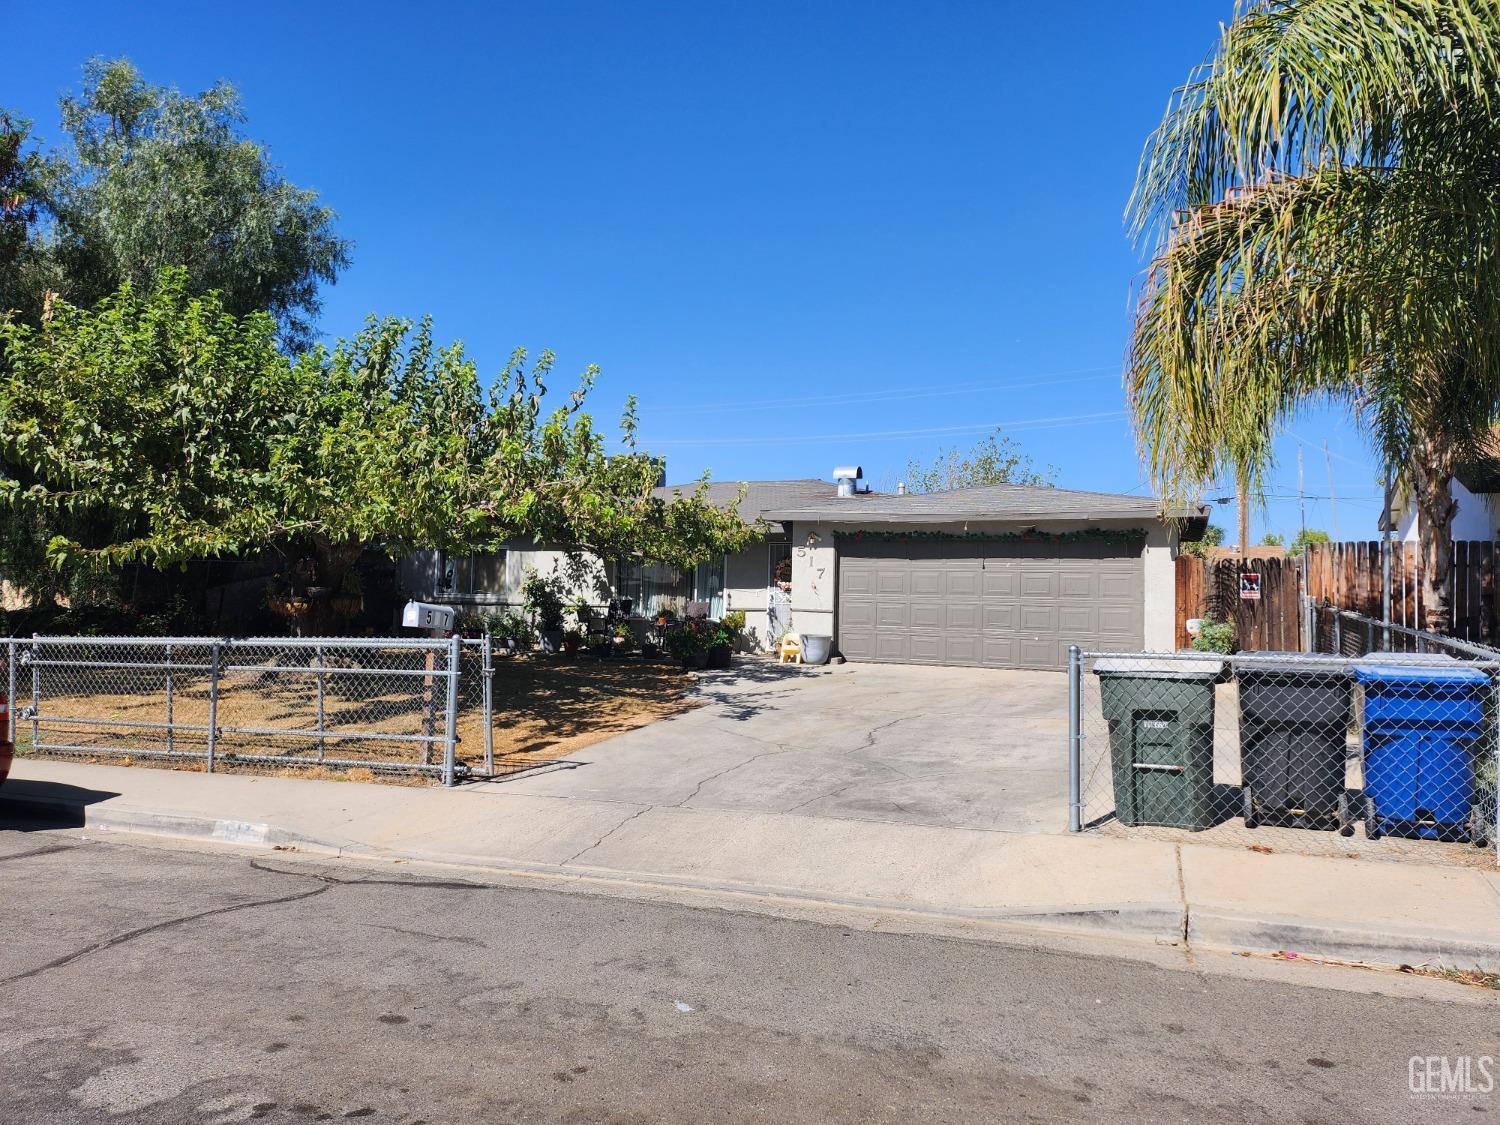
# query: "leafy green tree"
[[1320, 197], [997, 459], [1307, 537], [155, 178], [1213, 536], [159, 427], [1272, 539], [23, 173]]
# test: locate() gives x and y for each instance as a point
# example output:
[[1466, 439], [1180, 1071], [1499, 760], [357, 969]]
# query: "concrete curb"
[[82, 815], [1244, 933]]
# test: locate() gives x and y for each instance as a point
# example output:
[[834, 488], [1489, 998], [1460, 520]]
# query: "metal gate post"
[[36, 697], [322, 705], [10, 690], [1494, 796], [213, 703], [171, 730], [450, 726], [1075, 739], [488, 651]]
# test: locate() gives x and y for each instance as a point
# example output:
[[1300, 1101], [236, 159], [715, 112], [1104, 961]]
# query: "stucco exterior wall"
[[1477, 517], [747, 576]]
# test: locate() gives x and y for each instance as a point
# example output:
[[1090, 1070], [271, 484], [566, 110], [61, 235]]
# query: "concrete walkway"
[[1136, 890]]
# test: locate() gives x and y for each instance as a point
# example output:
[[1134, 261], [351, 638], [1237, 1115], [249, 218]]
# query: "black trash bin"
[[1160, 712], [1294, 726]]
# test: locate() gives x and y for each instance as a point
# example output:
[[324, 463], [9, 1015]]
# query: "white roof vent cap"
[[850, 472]]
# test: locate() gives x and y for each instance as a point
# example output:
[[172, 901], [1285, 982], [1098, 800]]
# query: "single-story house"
[[999, 575], [1476, 496]]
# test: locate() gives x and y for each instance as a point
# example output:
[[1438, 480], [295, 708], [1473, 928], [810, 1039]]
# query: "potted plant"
[[600, 646], [688, 643], [585, 614], [664, 618], [572, 641], [720, 641], [544, 604], [624, 639]]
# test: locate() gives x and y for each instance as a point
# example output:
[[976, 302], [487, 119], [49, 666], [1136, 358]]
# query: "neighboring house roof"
[[1003, 502], [760, 495]]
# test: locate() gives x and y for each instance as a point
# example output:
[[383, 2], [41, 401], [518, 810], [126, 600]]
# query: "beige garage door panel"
[[1000, 604]]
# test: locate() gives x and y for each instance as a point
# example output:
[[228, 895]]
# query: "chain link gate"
[[388, 704]]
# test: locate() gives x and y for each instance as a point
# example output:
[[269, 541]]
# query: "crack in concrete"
[[870, 738], [730, 769], [606, 836], [326, 882], [155, 927], [49, 850], [1187, 945]]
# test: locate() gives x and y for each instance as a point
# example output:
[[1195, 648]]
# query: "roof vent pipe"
[[846, 475], [900, 488]]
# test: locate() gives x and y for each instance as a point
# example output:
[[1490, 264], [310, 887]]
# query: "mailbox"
[[426, 615]]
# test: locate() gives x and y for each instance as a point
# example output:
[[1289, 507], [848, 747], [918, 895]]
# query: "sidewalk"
[[1140, 890]]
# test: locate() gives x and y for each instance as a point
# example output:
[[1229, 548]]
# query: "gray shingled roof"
[[760, 495], [987, 502]]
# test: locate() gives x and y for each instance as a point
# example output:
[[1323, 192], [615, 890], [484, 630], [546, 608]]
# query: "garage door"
[[1011, 605]]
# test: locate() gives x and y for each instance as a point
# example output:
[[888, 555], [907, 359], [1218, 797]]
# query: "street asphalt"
[[155, 983]]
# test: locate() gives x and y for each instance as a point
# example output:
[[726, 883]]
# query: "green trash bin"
[[1160, 712]]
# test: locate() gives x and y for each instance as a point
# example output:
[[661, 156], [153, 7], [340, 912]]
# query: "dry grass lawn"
[[544, 709]]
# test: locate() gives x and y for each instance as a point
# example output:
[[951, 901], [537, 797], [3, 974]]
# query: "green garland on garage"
[[1125, 536]]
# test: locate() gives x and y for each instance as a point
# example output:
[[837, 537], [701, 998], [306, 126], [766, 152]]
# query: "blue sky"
[[802, 233]]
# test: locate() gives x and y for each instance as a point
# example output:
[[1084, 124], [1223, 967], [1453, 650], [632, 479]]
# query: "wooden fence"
[[1212, 588], [1347, 575]]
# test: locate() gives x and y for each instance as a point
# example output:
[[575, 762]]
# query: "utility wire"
[[879, 435], [1086, 375]]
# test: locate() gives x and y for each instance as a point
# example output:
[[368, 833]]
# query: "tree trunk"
[[332, 561], [1242, 487], [1430, 475]]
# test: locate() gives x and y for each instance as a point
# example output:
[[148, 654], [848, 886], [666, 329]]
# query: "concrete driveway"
[[952, 747]]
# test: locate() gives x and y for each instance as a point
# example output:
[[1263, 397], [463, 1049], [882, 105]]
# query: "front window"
[[471, 576], [653, 587]]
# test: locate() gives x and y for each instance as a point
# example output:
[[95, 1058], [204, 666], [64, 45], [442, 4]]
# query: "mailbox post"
[[437, 621]]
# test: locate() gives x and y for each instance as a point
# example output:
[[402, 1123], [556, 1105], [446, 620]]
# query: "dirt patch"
[[548, 709]]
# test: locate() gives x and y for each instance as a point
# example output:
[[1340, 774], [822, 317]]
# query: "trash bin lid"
[[1378, 670], [1288, 664], [1194, 667]]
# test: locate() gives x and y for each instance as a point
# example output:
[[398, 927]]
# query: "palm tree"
[[1322, 199]]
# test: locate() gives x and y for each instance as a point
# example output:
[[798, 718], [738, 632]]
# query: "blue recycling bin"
[[1421, 726]]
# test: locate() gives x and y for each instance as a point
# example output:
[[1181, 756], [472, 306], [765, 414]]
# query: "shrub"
[[1214, 636], [544, 600]]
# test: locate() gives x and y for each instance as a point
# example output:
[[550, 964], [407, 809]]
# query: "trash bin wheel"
[[1478, 836], [1247, 806], [1346, 817], [1372, 825]]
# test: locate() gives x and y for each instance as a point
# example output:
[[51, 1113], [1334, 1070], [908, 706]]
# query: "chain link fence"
[[391, 705], [1368, 753]]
